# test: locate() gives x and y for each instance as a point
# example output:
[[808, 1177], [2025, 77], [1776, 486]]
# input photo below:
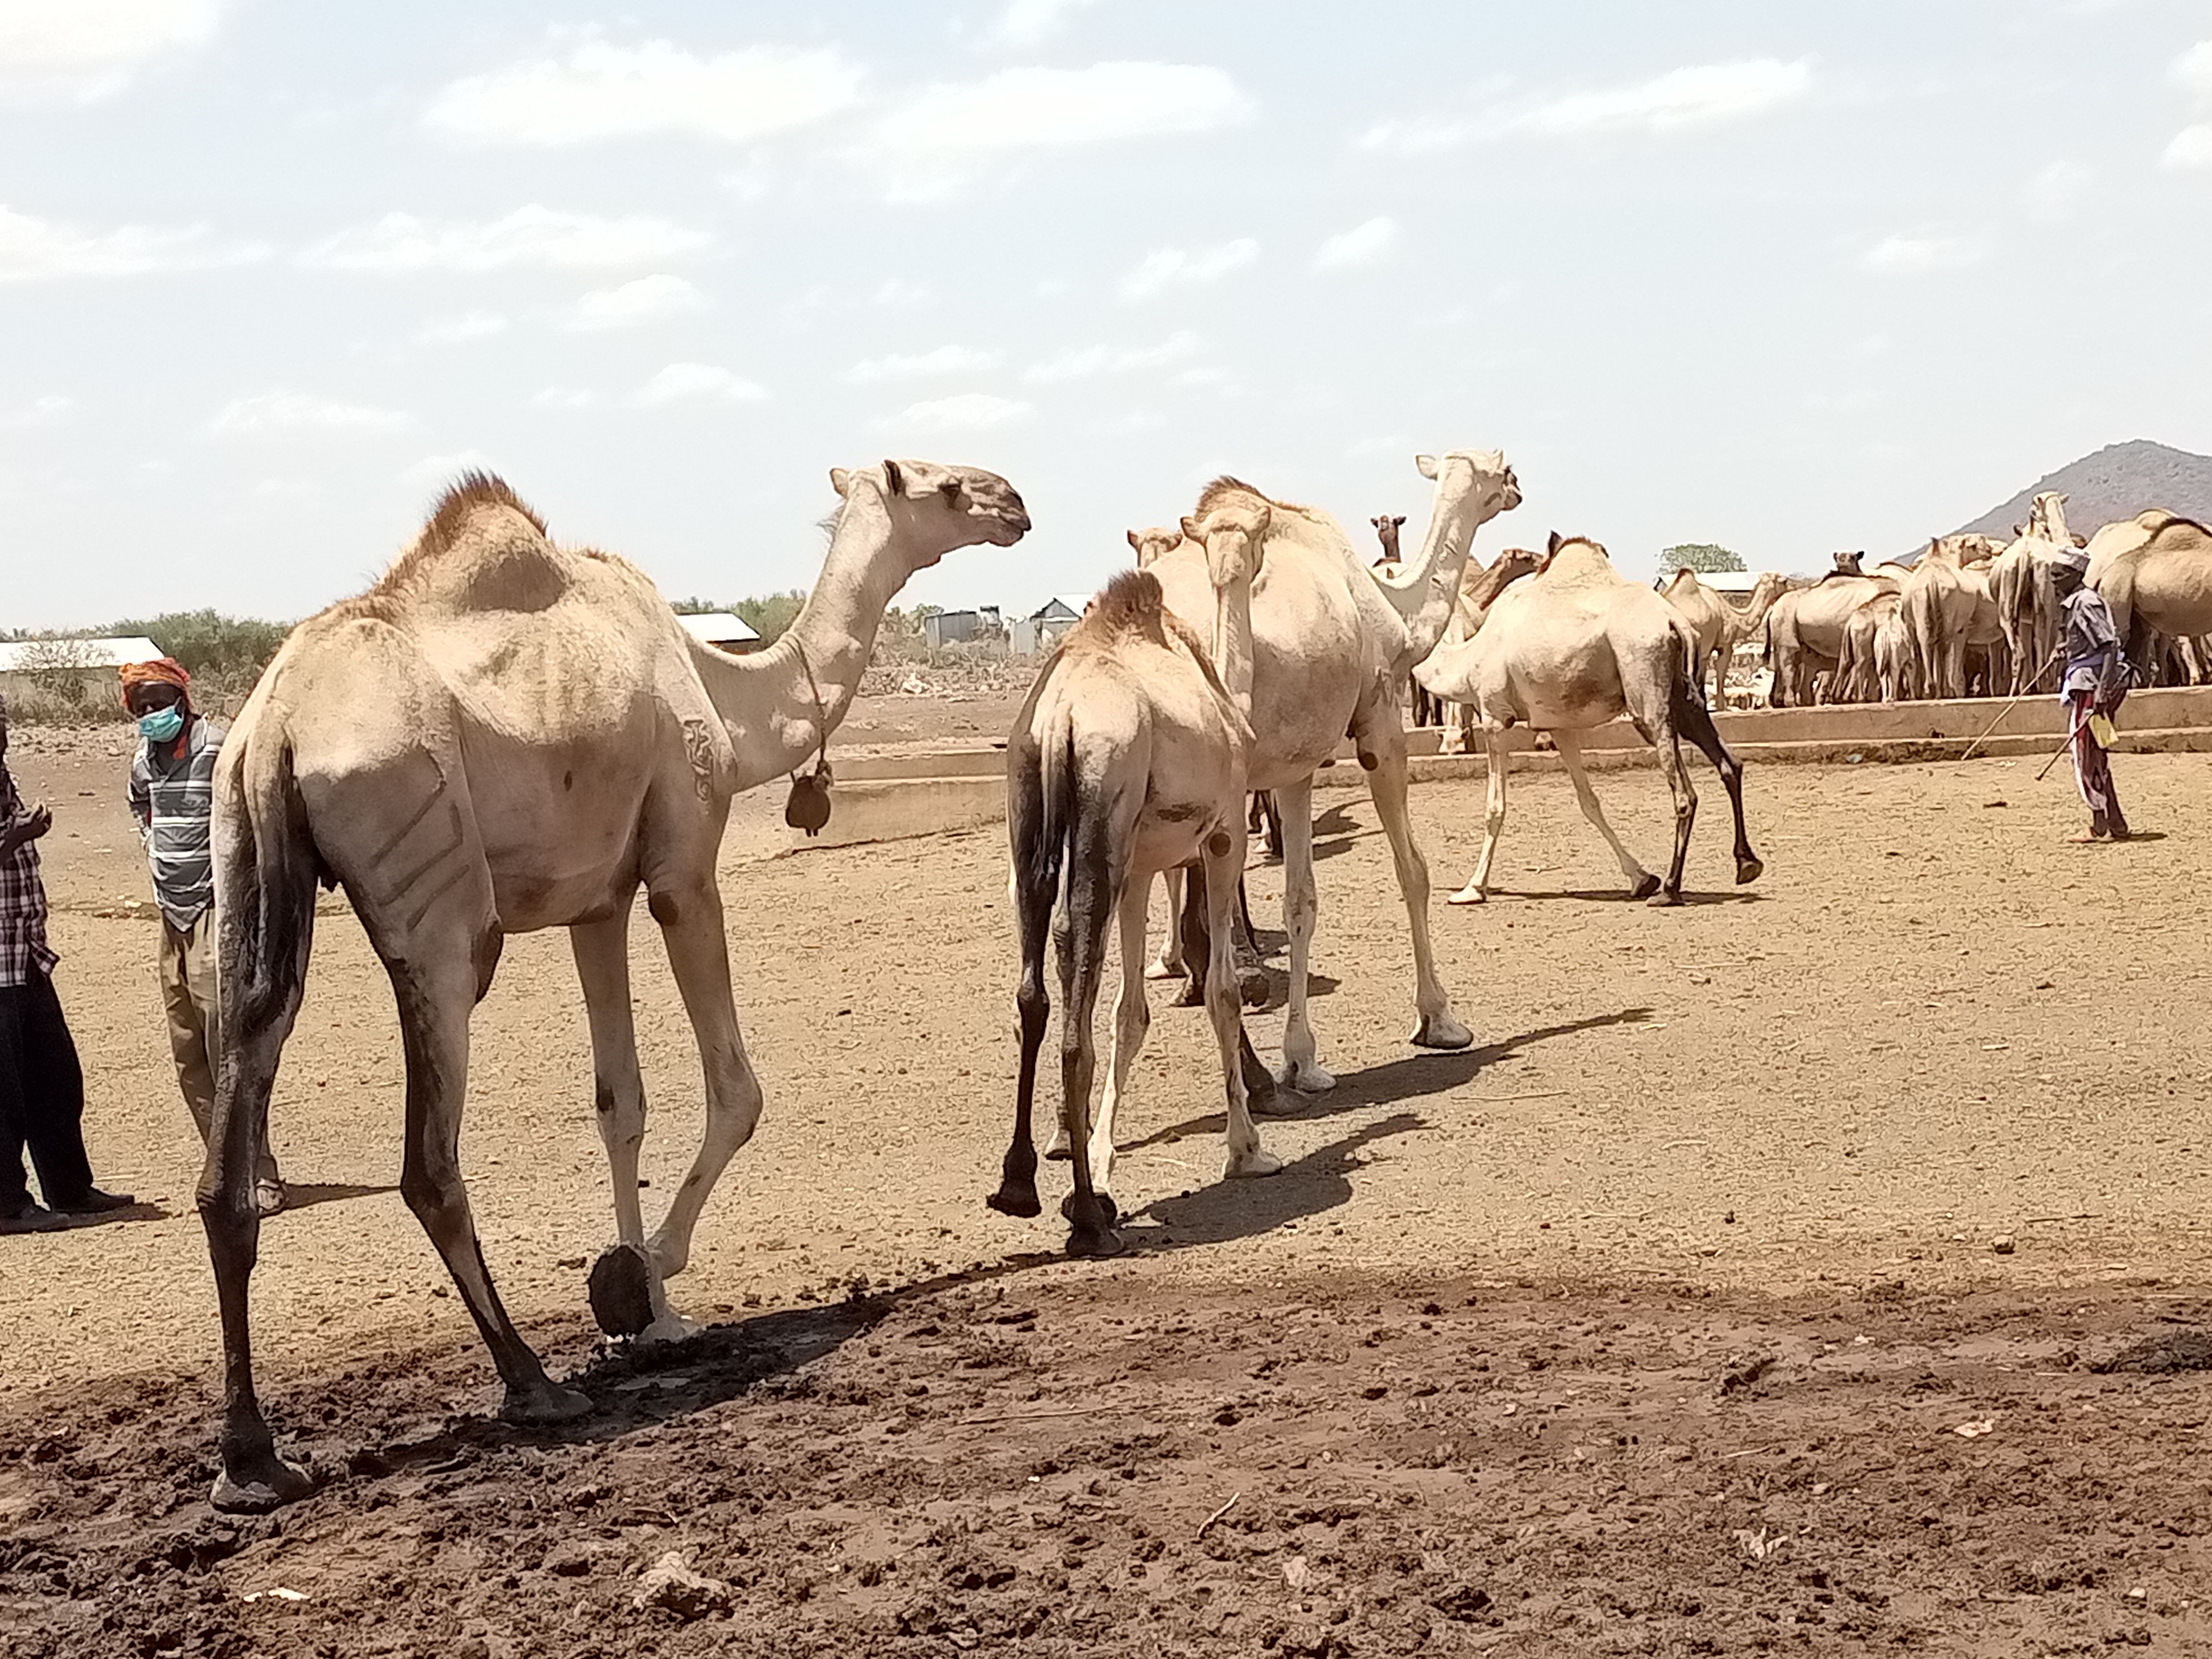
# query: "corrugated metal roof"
[[715, 626], [18, 655]]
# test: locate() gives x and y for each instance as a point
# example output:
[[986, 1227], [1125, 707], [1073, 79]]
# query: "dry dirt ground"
[[1745, 1288]]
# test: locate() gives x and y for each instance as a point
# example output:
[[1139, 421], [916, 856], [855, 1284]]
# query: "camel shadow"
[[1225, 1211], [1616, 896], [306, 1195]]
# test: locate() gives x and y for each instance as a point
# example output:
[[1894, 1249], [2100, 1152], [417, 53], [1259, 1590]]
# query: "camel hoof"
[[621, 1289], [1646, 886], [1251, 987], [270, 1484], [1441, 1031], [1252, 1166], [547, 1402], [1095, 1243], [1193, 995], [1020, 1201], [1163, 970], [1060, 1150], [1469, 894], [669, 1327], [1306, 1078], [1748, 870], [1664, 899]]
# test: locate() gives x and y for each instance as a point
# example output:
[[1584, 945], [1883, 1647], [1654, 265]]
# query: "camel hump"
[[1131, 601], [484, 547], [463, 498]]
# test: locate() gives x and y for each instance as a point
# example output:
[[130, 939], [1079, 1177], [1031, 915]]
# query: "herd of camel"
[[504, 734], [1973, 614]]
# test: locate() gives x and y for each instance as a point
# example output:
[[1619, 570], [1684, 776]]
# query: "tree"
[[768, 615], [1701, 556]]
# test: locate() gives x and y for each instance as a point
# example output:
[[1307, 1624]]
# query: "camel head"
[[1847, 564], [1387, 525], [1231, 535], [934, 507], [1512, 565], [1149, 542], [1483, 470]]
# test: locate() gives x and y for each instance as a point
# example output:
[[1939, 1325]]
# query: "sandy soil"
[[1462, 1362]]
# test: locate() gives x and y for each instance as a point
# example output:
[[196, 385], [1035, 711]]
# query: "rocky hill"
[[2117, 482]]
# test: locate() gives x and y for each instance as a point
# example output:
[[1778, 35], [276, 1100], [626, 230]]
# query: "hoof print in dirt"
[[671, 1586], [621, 1290]]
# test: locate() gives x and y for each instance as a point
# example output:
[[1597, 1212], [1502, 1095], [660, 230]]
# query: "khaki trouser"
[[188, 994]]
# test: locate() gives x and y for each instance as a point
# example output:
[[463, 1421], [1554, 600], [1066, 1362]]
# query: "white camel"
[[1573, 646], [1332, 643], [503, 735]]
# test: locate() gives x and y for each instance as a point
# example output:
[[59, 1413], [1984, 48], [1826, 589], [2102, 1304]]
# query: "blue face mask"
[[161, 725]]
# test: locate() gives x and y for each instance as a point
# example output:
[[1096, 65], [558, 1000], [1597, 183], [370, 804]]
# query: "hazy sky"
[[1784, 275]]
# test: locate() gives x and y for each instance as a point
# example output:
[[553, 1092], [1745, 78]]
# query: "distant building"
[[1044, 626], [79, 671], [723, 631], [959, 627]]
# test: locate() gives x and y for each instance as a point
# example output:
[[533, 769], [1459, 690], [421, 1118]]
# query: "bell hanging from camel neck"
[[808, 808]]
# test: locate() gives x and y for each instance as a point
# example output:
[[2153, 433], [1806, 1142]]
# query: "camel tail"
[[266, 865]]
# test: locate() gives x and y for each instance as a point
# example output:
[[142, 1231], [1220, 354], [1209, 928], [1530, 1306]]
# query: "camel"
[[1332, 643], [2160, 586], [1387, 526], [1805, 629], [1719, 626], [503, 735], [1569, 649], [2020, 590], [1948, 606], [1129, 758], [1479, 589]]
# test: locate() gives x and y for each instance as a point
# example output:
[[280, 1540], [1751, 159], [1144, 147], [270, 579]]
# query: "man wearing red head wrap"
[[172, 797]]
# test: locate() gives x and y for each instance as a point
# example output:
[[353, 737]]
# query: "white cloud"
[[1028, 22], [638, 302], [40, 411], [606, 91], [564, 397], [453, 330], [898, 293], [1017, 108], [2057, 190], [89, 48], [683, 381], [1362, 244], [2191, 147], [2193, 69], [944, 360], [1684, 97], [1091, 361], [1169, 266], [290, 414], [37, 250], [531, 235], [969, 412], [1911, 255]]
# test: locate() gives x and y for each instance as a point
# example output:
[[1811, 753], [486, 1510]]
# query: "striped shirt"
[[171, 796], [23, 901]]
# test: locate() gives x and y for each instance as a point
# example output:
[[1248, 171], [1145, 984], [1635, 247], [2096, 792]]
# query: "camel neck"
[[780, 704]]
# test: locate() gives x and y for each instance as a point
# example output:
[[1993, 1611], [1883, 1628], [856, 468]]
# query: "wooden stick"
[[1218, 1513]]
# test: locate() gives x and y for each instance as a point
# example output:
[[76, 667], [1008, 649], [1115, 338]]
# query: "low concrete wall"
[[918, 793]]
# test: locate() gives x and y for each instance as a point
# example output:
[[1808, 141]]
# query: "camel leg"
[[1493, 822], [1697, 725], [1224, 1006], [1197, 947], [1300, 908], [1170, 963], [1435, 1026], [626, 1292], [1667, 743], [253, 1478], [436, 988], [1017, 1193], [690, 919], [1642, 884], [1093, 884], [1132, 1019]]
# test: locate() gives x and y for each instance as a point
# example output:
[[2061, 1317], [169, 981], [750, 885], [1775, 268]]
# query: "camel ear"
[[1190, 530], [893, 480], [1134, 542], [1398, 519], [1426, 466], [839, 478], [1551, 547]]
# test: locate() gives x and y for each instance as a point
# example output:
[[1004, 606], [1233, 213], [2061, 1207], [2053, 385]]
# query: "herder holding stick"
[[2094, 682]]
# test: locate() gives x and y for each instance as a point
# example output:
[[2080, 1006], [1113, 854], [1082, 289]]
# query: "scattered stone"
[[2002, 1244], [672, 1586], [568, 1560], [1739, 1378]]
